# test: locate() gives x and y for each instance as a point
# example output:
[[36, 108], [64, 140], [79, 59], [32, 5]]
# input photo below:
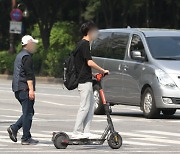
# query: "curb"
[[39, 79]]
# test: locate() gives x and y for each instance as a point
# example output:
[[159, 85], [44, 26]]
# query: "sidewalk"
[[38, 79]]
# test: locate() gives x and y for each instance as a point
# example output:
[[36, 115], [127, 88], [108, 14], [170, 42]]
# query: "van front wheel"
[[148, 104]]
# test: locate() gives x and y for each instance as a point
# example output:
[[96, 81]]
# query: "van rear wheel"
[[169, 112], [148, 104], [99, 107]]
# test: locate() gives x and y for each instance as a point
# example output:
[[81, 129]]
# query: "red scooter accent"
[[101, 92], [99, 76], [102, 96]]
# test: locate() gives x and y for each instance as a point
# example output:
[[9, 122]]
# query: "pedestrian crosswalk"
[[44, 138], [141, 138], [147, 138]]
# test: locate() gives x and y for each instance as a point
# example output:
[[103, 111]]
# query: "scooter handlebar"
[[106, 73], [99, 76]]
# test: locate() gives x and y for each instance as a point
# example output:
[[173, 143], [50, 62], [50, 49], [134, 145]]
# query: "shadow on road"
[[94, 147], [140, 115], [128, 114]]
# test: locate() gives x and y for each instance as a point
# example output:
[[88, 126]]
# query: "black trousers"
[[25, 121]]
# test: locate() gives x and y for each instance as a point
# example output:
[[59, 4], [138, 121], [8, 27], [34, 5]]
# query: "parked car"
[[144, 69]]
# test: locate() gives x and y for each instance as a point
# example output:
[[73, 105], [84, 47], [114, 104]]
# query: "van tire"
[[169, 112], [98, 106], [149, 105]]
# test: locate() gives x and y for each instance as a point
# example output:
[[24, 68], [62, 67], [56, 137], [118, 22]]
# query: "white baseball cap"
[[27, 38]]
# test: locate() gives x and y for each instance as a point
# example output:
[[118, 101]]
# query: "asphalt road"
[[56, 110]]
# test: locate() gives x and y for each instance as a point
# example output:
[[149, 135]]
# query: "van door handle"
[[125, 67], [119, 68]]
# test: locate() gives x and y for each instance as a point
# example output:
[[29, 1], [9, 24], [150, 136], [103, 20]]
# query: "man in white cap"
[[23, 86]]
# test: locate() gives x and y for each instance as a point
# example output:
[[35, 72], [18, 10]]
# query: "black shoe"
[[29, 142], [12, 134]]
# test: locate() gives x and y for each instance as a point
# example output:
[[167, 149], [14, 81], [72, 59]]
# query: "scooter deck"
[[81, 141], [84, 141]]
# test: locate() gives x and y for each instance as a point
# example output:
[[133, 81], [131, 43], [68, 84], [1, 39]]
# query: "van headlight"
[[164, 79]]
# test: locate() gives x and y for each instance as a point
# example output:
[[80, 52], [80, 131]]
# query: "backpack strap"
[[80, 73], [77, 48], [74, 53]]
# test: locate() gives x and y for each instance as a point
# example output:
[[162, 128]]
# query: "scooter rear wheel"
[[58, 141], [115, 141]]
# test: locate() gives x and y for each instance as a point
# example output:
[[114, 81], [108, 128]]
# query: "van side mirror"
[[137, 55]]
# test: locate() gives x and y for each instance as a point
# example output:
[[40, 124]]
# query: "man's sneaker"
[[29, 142], [92, 136], [78, 136], [12, 134]]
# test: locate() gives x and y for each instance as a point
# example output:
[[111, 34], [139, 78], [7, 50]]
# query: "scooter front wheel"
[[60, 139], [115, 141]]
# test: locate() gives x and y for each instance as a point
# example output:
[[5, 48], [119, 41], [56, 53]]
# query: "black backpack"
[[71, 79]]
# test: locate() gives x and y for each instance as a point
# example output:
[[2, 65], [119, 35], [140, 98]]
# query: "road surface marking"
[[45, 94], [10, 110], [59, 104], [169, 141], [142, 143], [160, 133]]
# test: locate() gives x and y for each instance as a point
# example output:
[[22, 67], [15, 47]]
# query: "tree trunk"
[[45, 34], [147, 13], [105, 13], [80, 12]]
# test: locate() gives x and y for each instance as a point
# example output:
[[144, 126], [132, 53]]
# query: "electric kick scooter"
[[61, 140]]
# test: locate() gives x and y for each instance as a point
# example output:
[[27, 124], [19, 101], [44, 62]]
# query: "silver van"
[[144, 69]]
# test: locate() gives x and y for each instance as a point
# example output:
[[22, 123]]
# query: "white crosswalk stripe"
[[141, 143], [3, 145], [161, 133]]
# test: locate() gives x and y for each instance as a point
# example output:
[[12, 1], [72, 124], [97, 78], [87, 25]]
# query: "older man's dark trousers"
[[25, 120]]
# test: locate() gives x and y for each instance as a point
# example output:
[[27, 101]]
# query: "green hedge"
[[6, 62], [62, 42], [46, 63]]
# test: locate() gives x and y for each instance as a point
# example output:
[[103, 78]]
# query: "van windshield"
[[165, 47]]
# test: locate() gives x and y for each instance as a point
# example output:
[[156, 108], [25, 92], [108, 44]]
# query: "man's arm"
[[93, 65], [31, 90], [90, 62], [27, 61]]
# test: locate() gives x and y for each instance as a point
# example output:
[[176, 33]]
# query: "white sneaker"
[[92, 136], [78, 136]]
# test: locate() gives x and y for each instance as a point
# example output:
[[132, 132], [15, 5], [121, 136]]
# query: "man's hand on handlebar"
[[93, 65], [105, 71]]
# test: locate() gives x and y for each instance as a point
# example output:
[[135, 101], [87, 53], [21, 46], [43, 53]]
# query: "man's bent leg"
[[13, 129], [18, 124]]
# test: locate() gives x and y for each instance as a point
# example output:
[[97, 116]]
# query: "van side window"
[[100, 45], [137, 44], [117, 45]]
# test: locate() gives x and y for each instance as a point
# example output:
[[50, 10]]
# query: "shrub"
[[54, 63], [6, 62], [62, 42], [37, 60], [49, 63]]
